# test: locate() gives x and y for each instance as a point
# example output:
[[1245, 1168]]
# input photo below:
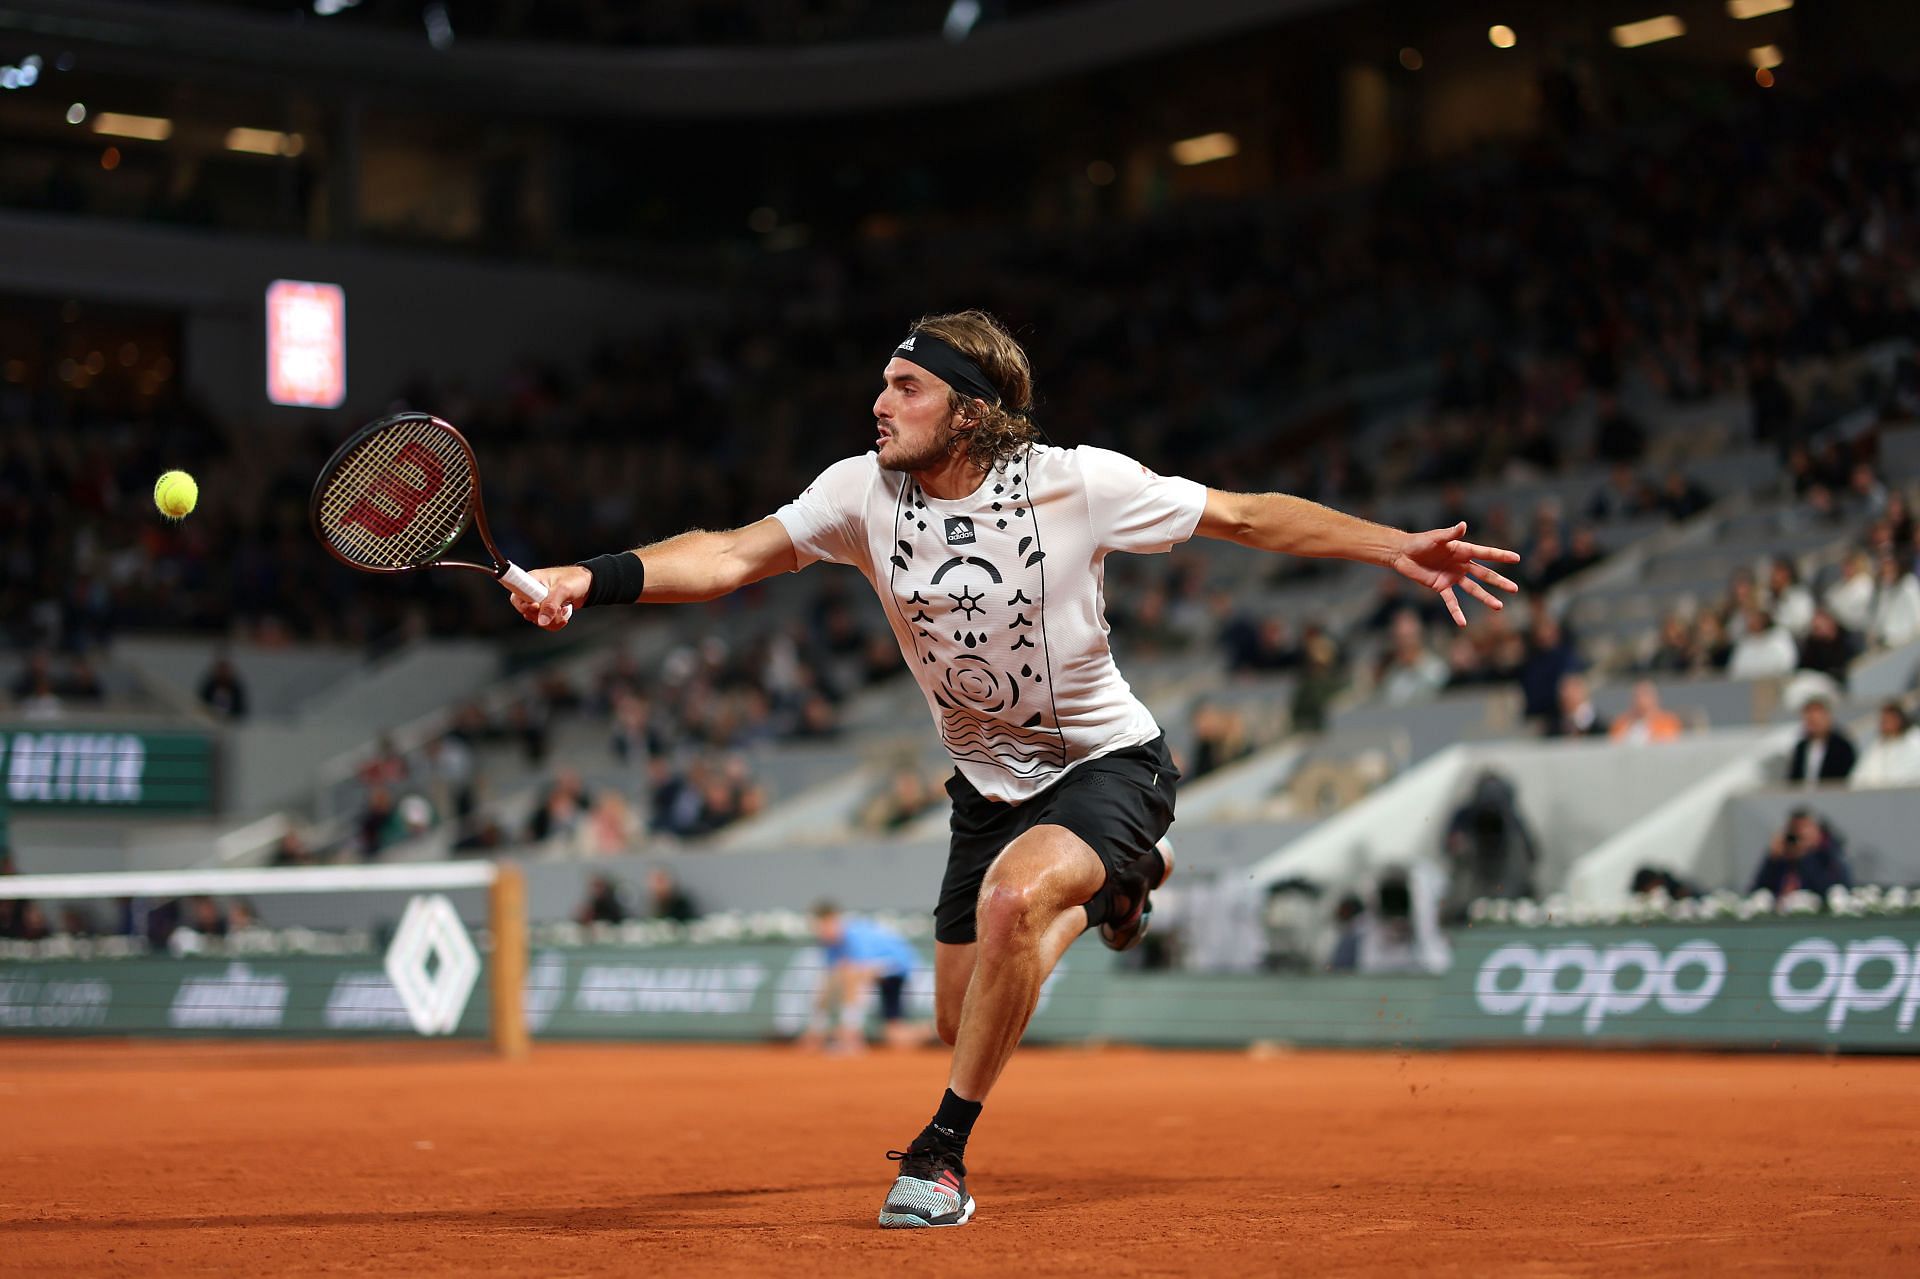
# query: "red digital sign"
[[306, 344]]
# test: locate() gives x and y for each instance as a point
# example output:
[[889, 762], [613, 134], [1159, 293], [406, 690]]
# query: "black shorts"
[[1120, 804], [893, 997]]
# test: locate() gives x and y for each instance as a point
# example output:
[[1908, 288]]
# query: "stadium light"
[[1743, 9], [265, 142], [1205, 148], [146, 127], [1766, 57], [24, 76], [1631, 35], [1501, 36], [962, 15], [77, 113]]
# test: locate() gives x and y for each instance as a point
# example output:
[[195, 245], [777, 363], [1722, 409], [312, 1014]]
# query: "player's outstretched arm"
[[1437, 559], [692, 567]]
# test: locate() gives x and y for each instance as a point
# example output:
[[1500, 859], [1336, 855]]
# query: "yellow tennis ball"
[[175, 494]]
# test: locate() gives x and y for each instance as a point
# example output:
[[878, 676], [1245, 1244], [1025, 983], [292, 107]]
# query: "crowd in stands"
[[1548, 287]]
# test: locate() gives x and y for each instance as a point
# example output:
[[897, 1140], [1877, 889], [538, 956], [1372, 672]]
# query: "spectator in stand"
[[35, 673], [1465, 665], [1270, 647], [1850, 600], [1622, 497], [1219, 738], [478, 839], [32, 923], [449, 770], [1574, 714], [292, 850], [1791, 602], [82, 683], [1673, 654], [1321, 681], [1544, 558], [1824, 752], [1550, 659], [561, 810], [1646, 719], [905, 797], [602, 904], [1900, 522], [1804, 855], [1826, 648], [1895, 617], [1681, 498], [1582, 553], [1893, 758], [1649, 880], [1711, 647], [668, 899], [610, 826], [222, 692], [35, 693], [379, 823], [1766, 651], [1617, 435], [1410, 671], [1349, 919], [388, 767]]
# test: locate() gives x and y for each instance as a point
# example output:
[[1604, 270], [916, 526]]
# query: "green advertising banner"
[[103, 770], [1812, 983], [1815, 981]]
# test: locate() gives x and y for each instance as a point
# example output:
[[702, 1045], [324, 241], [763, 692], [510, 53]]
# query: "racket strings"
[[400, 498]]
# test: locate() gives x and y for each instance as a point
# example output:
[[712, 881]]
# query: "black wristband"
[[617, 579]]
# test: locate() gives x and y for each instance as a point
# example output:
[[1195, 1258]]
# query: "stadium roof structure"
[[712, 83]]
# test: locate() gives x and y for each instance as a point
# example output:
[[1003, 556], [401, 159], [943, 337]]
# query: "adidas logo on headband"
[[908, 344]]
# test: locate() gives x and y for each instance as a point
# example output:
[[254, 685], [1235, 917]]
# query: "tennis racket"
[[397, 496]]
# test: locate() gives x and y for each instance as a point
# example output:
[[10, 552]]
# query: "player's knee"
[[1009, 911], [947, 1026]]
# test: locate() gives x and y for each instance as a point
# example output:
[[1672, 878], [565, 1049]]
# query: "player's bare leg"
[[953, 971], [1032, 907]]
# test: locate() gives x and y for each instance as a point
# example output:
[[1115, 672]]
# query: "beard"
[[933, 452]]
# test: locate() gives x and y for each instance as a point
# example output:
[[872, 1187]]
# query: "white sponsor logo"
[[365, 1001], [908, 344], [237, 999], [27, 1003], [432, 964], [1578, 979], [1839, 986], [75, 768], [615, 990]]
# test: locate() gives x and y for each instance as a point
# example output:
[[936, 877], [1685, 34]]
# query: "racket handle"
[[521, 582]]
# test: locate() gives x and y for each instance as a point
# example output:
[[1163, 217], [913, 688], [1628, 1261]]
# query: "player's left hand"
[[1440, 561]]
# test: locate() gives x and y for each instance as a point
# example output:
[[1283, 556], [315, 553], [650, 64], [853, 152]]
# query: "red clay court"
[[222, 1159]]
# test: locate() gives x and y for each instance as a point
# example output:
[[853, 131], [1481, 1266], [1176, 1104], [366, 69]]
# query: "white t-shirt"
[[998, 599]]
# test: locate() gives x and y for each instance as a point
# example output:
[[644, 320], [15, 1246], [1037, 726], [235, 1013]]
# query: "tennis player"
[[988, 550]]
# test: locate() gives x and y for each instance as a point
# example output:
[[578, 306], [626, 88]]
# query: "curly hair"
[[1003, 431]]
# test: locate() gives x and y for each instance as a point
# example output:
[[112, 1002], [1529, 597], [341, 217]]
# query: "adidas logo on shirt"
[[959, 530]]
